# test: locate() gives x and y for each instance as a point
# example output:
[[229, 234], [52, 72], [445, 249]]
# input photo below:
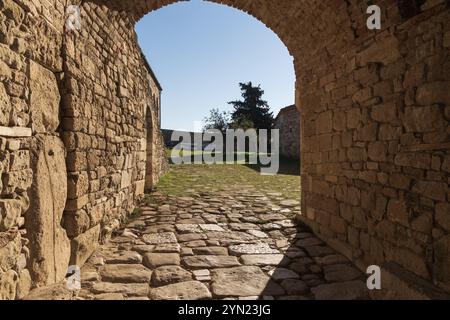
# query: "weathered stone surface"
[[129, 289], [159, 238], [340, 273], [168, 275], [23, 285], [109, 296], [49, 244], [210, 261], [84, 245], [124, 257], [265, 259], [352, 290], [167, 248], [189, 290], [10, 211], [44, 99], [211, 227], [289, 203], [252, 248], [125, 273], [15, 132], [57, 291], [282, 274], [294, 287], [8, 283], [214, 251], [155, 260], [433, 93], [243, 281]]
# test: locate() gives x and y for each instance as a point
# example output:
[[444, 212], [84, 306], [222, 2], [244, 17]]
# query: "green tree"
[[242, 122], [252, 108], [217, 120]]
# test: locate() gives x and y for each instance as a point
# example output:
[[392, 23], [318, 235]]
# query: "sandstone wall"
[[73, 146], [108, 92], [375, 141], [375, 129], [30, 66], [375, 125], [288, 122]]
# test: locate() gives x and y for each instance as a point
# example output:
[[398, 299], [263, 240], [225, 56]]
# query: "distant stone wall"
[[288, 122]]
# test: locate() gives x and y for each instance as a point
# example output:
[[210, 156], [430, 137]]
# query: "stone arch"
[[374, 105], [353, 85]]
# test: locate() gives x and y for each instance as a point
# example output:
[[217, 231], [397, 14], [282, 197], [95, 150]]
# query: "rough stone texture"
[[44, 99], [125, 273], [84, 245], [288, 122], [374, 106], [49, 244], [341, 291], [169, 274], [189, 290], [243, 281]]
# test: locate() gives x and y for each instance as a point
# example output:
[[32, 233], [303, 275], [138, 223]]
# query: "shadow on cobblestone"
[[219, 232]]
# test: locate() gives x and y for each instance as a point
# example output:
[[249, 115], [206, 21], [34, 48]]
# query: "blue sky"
[[200, 51]]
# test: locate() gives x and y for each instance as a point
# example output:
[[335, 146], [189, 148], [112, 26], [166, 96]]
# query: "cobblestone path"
[[219, 235]]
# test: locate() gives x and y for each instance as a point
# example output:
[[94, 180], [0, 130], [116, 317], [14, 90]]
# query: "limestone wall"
[[72, 137], [288, 122]]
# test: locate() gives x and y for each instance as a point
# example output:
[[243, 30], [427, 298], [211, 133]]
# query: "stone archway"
[[374, 104], [361, 95]]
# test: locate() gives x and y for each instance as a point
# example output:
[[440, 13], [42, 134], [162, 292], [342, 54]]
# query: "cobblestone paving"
[[220, 239]]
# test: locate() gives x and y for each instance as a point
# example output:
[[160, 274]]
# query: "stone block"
[[377, 151], [398, 212], [10, 248], [10, 211], [49, 244], [431, 189], [385, 51], [23, 284], [433, 93], [425, 119], [413, 159], [84, 245], [125, 181], [77, 185], [8, 283], [44, 99], [354, 117], [5, 104], [140, 185], [443, 215], [76, 222], [17, 181], [15, 132], [76, 204], [386, 113]]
